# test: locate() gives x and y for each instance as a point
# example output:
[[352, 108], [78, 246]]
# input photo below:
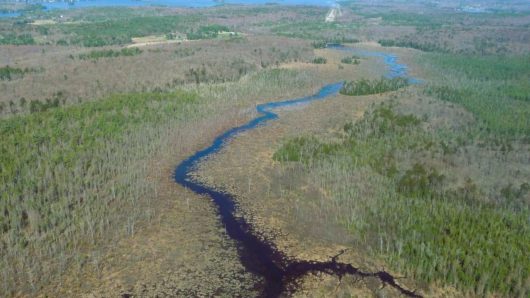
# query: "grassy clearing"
[[74, 178], [494, 88]]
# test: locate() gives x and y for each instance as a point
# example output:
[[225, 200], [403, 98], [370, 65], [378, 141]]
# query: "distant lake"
[[170, 3], [9, 14]]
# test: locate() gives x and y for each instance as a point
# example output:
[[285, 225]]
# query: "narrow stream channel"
[[261, 257]]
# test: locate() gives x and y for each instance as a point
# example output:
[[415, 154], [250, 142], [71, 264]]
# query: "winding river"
[[260, 257]]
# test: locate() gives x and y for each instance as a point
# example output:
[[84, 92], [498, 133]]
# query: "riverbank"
[[379, 180], [269, 215], [133, 250]]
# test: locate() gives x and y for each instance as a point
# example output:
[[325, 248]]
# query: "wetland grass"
[[424, 189], [74, 179], [413, 215]]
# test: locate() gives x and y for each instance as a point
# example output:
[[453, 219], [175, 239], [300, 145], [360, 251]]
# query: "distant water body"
[[9, 14], [169, 3]]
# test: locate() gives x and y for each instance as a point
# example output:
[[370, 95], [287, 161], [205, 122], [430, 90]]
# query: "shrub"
[[425, 46], [366, 87], [38, 106], [351, 60], [321, 44], [14, 39], [418, 181], [8, 73], [304, 149], [319, 60], [207, 32], [94, 55]]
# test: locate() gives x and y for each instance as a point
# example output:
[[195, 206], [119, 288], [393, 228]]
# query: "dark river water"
[[278, 272]]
